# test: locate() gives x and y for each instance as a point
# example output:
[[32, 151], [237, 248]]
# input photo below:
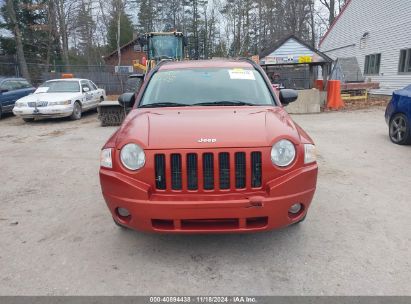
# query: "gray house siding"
[[388, 25], [291, 51]]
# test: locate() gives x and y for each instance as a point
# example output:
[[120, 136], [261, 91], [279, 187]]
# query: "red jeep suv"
[[208, 147]]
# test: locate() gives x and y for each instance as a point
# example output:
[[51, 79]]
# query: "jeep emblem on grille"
[[207, 140]]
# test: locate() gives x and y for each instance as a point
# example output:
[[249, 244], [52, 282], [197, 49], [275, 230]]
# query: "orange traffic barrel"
[[319, 85], [334, 100]]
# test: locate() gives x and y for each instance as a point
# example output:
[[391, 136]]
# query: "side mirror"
[[287, 96], [126, 100], [86, 89]]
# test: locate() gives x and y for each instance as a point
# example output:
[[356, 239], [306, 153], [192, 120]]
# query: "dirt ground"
[[57, 237]]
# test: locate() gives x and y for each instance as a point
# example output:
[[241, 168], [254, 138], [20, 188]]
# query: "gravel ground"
[[57, 237]]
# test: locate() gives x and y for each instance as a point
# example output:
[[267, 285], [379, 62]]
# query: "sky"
[[321, 11]]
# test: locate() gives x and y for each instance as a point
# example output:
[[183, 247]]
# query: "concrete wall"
[[309, 101]]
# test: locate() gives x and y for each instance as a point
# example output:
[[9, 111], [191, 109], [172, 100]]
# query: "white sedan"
[[60, 98]]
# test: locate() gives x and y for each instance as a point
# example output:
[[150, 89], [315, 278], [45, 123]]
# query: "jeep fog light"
[[296, 208], [123, 212], [105, 158]]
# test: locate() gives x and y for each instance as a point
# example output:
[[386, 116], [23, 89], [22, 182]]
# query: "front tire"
[[399, 130], [76, 115]]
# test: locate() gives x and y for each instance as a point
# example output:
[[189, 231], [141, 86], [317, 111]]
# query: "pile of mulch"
[[374, 101], [370, 102]]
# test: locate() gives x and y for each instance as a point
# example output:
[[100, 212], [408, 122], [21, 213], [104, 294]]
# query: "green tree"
[[33, 31], [146, 16], [126, 30], [85, 30], [195, 30]]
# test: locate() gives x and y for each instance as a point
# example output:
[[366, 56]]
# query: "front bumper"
[[232, 212], [50, 111]]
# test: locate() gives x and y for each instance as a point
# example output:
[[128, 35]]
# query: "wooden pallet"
[[354, 94]]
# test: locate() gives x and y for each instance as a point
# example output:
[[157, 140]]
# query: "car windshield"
[[211, 86], [166, 47], [59, 86]]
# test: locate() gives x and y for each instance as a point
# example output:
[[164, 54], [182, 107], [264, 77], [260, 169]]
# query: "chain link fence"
[[103, 76]]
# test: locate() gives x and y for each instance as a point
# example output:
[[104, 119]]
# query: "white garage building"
[[378, 34]]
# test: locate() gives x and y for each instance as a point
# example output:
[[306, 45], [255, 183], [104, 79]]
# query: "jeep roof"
[[172, 65]]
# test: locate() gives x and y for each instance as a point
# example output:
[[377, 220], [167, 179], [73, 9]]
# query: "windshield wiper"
[[163, 105], [163, 57], [224, 103]]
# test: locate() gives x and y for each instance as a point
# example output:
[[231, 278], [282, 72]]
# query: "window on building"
[[405, 61], [372, 64]]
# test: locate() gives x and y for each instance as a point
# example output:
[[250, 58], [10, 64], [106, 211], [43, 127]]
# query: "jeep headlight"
[[132, 157], [310, 154], [105, 158], [283, 153]]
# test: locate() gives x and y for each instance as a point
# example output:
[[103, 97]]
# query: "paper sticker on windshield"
[[241, 74]]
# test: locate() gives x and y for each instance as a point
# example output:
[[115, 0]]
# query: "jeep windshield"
[[206, 87]]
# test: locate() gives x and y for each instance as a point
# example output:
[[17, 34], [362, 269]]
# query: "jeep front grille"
[[208, 171], [224, 163], [176, 181], [256, 169], [160, 171], [192, 174], [240, 170]]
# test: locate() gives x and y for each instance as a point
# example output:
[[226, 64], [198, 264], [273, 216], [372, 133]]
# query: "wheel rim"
[[398, 129], [77, 110]]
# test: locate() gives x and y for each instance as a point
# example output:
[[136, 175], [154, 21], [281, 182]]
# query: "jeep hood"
[[227, 127]]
